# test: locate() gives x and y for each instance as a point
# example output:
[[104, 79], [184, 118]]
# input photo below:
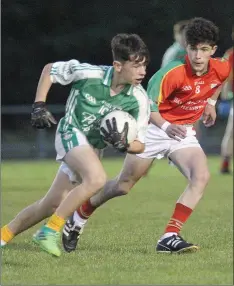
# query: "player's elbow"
[[47, 68]]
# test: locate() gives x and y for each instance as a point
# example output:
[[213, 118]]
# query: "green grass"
[[118, 244]]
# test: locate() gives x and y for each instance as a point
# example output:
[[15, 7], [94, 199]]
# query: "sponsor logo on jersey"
[[213, 85], [199, 82], [88, 118], [186, 87], [90, 98], [67, 136]]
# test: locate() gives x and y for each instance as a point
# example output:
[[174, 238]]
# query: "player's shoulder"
[[177, 64], [76, 65], [221, 66], [172, 70], [86, 70], [170, 51], [140, 93], [174, 48], [141, 96], [139, 90], [228, 53]]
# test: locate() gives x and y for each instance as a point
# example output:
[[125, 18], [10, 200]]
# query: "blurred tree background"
[[37, 32]]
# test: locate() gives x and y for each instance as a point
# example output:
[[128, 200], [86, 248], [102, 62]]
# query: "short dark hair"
[[200, 30], [129, 47]]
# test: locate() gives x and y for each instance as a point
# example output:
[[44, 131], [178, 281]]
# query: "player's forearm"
[[157, 119], [44, 84], [136, 147], [216, 94]]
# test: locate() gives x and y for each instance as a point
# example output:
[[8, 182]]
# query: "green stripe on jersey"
[[155, 83]]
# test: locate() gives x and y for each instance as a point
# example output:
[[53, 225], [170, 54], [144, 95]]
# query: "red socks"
[[225, 163], [179, 217], [86, 210]]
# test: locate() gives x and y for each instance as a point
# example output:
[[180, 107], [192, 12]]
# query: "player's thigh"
[[192, 162], [73, 148], [84, 161], [75, 178], [133, 169], [58, 190]]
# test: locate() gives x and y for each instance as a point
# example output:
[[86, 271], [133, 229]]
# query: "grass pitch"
[[118, 244]]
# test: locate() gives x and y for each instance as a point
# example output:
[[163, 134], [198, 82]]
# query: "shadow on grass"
[[113, 249], [23, 246], [18, 264]]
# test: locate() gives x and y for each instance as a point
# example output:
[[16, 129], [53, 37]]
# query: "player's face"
[[133, 72], [199, 56]]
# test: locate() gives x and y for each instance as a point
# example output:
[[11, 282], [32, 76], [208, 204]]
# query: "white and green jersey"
[[90, 100], [173, 53]]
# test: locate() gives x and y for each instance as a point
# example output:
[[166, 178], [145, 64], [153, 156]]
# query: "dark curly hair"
[[129, 47], [200, 30]]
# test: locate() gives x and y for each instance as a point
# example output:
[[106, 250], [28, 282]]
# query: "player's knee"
[[205, 177], [96, 182], [201, 178]]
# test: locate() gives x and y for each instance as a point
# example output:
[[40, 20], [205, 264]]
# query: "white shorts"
[[66, 141], [158, 144]]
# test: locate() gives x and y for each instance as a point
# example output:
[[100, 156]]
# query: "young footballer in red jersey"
[[227, 93], [184, 91]]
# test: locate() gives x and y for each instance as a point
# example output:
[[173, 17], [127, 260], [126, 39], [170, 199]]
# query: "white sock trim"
[[167, 234], [79, 221], [3, 242]]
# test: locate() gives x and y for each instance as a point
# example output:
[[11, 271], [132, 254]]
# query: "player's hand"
[[209, 115], [114, 137], [176, 132], [41, 117]]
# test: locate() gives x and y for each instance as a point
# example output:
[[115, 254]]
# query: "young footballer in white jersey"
[[96, 91], [177, 50], [184, 90]]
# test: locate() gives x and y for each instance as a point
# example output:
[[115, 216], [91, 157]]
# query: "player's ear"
[[117, 66], [214, 48]]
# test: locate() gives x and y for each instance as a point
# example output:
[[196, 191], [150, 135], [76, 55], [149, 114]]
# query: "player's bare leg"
[[192, 163], [93, 179], [227, 145], [133, 169], [39, 210], [148, 170]]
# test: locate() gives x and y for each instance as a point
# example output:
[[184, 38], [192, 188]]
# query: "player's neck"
[[117, 84]]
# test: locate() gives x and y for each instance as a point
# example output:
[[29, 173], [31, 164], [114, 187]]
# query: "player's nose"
[[198, 54], [142, 71]]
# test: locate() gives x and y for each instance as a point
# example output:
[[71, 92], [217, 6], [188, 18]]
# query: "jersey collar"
[[108, 78]]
